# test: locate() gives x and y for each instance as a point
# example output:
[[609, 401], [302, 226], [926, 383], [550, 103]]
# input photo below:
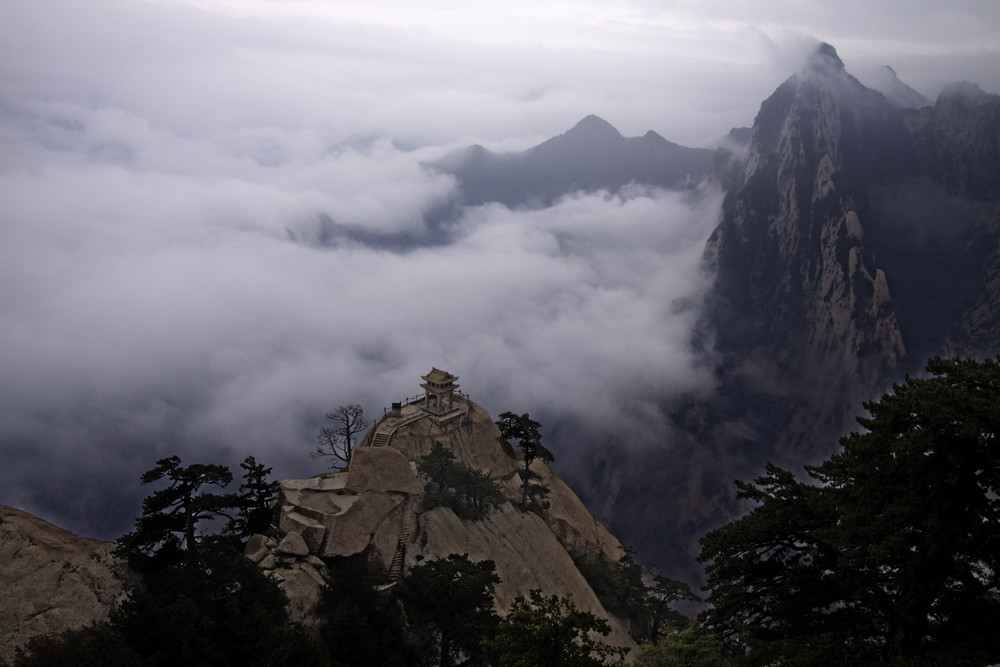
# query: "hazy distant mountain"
[[591, 156], [858, 238], [898, 93]]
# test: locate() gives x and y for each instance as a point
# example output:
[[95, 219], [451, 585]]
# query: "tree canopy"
[[254, 502], [469, 492], [200, 600], [891, 551], [526, 431], [167, 531], [455, 594], [550, 631]]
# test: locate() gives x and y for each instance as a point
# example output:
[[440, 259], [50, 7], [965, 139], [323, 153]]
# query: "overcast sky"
[[165, 165]]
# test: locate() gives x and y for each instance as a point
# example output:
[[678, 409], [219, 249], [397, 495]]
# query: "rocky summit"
[[374, 510]]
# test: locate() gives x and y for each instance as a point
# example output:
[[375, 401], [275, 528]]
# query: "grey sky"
[[164, 166]]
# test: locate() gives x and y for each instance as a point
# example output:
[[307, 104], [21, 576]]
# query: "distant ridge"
[[592, 128], [898, 93], [591, 156]]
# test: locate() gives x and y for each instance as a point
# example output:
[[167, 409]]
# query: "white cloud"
[[166, 277], [154, 302]]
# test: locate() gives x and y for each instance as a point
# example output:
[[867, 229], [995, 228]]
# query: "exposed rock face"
[[858, 238], [52, 580], [375, 510], [799, 287], [861, 239]]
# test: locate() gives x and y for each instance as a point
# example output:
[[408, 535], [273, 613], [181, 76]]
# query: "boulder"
[[292, 545], [383, 470], [572, 523], [351, 532], [302, 585], [256, 548], [311, 530]]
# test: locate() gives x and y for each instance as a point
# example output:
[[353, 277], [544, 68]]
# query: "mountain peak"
[[824, 60], [595, 127], [886, 81], [376, 511], [962, 92]]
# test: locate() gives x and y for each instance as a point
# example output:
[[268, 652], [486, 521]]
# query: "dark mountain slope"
[[939, 226], [857, 240], [591, 156], [799, 288]]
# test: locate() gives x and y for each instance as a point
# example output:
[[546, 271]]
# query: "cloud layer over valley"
[[216, 223], [149, 309]]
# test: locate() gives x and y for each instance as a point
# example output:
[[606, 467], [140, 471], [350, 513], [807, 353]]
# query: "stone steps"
[[405, 528]]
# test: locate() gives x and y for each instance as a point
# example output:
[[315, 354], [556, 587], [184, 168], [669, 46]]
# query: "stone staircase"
[[406, 526], [383, 433]]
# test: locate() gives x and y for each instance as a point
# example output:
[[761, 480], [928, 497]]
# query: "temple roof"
[[439, 377]]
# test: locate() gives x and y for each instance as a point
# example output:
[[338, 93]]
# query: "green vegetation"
[[255, 512], [525, 431], [620, 587], [455, 595], [891, 555], [550, 631], [362, 624], [168, 530], [470, 493], [200, 601], [663, 619], [888, 555], [689, 646]]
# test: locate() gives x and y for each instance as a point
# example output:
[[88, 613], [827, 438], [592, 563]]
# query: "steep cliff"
[[375, 511], [858, 238], [799, 287]]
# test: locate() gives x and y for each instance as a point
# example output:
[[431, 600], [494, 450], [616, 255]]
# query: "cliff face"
[[799, 287], [374, 510], [52, 580], [940, 226], [858, 239]]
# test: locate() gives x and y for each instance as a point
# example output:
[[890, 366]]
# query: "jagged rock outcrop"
[[52, 580], [858, 238], [861, 237], [793, 258], [375, 511]]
